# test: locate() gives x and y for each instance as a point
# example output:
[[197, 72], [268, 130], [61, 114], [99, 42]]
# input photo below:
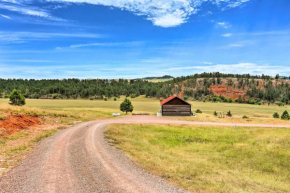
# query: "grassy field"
[[210, 159], [151, 105]]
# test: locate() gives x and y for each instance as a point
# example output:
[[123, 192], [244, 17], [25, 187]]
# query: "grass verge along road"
[[209, 158]]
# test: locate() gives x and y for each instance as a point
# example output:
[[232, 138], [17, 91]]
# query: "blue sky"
[[140, 38]]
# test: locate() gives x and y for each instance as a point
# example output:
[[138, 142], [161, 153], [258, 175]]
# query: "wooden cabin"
[[175, 106]]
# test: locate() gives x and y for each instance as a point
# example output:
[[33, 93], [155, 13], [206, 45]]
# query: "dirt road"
[[80, 160]]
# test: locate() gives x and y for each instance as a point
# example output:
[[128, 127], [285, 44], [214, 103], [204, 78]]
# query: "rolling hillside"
[[206, 86]]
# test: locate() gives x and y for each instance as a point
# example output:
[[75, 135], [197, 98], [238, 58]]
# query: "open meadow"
[[209, 159], [151, 105], [94, 109]]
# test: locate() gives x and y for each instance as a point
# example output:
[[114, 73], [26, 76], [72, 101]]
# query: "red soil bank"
[[15, 123], [227, 92]]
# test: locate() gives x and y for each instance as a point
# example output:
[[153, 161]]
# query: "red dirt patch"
[[227, 92], [15, 123]]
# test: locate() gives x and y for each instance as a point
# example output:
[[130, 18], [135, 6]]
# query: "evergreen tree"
[[229, 114], [126, 106], [276, 115], [16, 98], [285, 116]]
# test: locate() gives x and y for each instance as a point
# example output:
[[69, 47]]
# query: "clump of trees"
[[285, 115], [126, 106], [16, 98]]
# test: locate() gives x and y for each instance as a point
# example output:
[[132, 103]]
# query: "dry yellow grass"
[[15, 147], [85, 110]]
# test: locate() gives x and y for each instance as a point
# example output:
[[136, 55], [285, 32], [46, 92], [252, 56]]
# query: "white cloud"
[[20, 37], [102, 44], [227, 35], [207, 63], [225, 25], [240, 68], [235, 45], [163, 13], [5, 16], [237, 3], [22, 8]]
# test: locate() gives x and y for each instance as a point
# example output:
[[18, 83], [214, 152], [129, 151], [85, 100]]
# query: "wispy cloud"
[[266, 33], [137, 71], [237, 3], [20, 7], [227, 35], [235, 45], [19, 37], [103, 44], [225, 25], [30, 61], [163, 13], [5, 16], [250, 68]]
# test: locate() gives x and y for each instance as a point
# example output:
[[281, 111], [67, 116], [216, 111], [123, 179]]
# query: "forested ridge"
[[205, 86]]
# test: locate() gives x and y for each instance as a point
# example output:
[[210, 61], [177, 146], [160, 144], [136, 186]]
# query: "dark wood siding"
[[176, 101], [176, 107]]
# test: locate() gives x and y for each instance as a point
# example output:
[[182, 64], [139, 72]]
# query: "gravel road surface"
[[79, 159]]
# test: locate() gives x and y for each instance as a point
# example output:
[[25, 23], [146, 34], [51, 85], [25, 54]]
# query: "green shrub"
[[229, 114], [198, 111], [185, 98], [215, 113], [133, 96], [276, 115], [251, 102], [280, 104], [245, 117]]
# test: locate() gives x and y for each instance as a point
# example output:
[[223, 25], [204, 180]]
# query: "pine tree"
[[229, 114], [16, 98], [285, 116], [276, 115]]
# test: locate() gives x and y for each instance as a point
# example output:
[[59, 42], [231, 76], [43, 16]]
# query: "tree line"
[[196, 87]]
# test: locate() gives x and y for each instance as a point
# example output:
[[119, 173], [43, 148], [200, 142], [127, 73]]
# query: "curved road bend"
[[79, 159]]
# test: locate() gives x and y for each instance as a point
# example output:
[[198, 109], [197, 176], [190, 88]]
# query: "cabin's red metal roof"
[[168, 99]]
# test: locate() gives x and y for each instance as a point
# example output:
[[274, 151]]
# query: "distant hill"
[[160, 77]]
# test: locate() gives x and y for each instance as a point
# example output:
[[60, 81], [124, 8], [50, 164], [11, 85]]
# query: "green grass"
[[210, 159], [44, 135]]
